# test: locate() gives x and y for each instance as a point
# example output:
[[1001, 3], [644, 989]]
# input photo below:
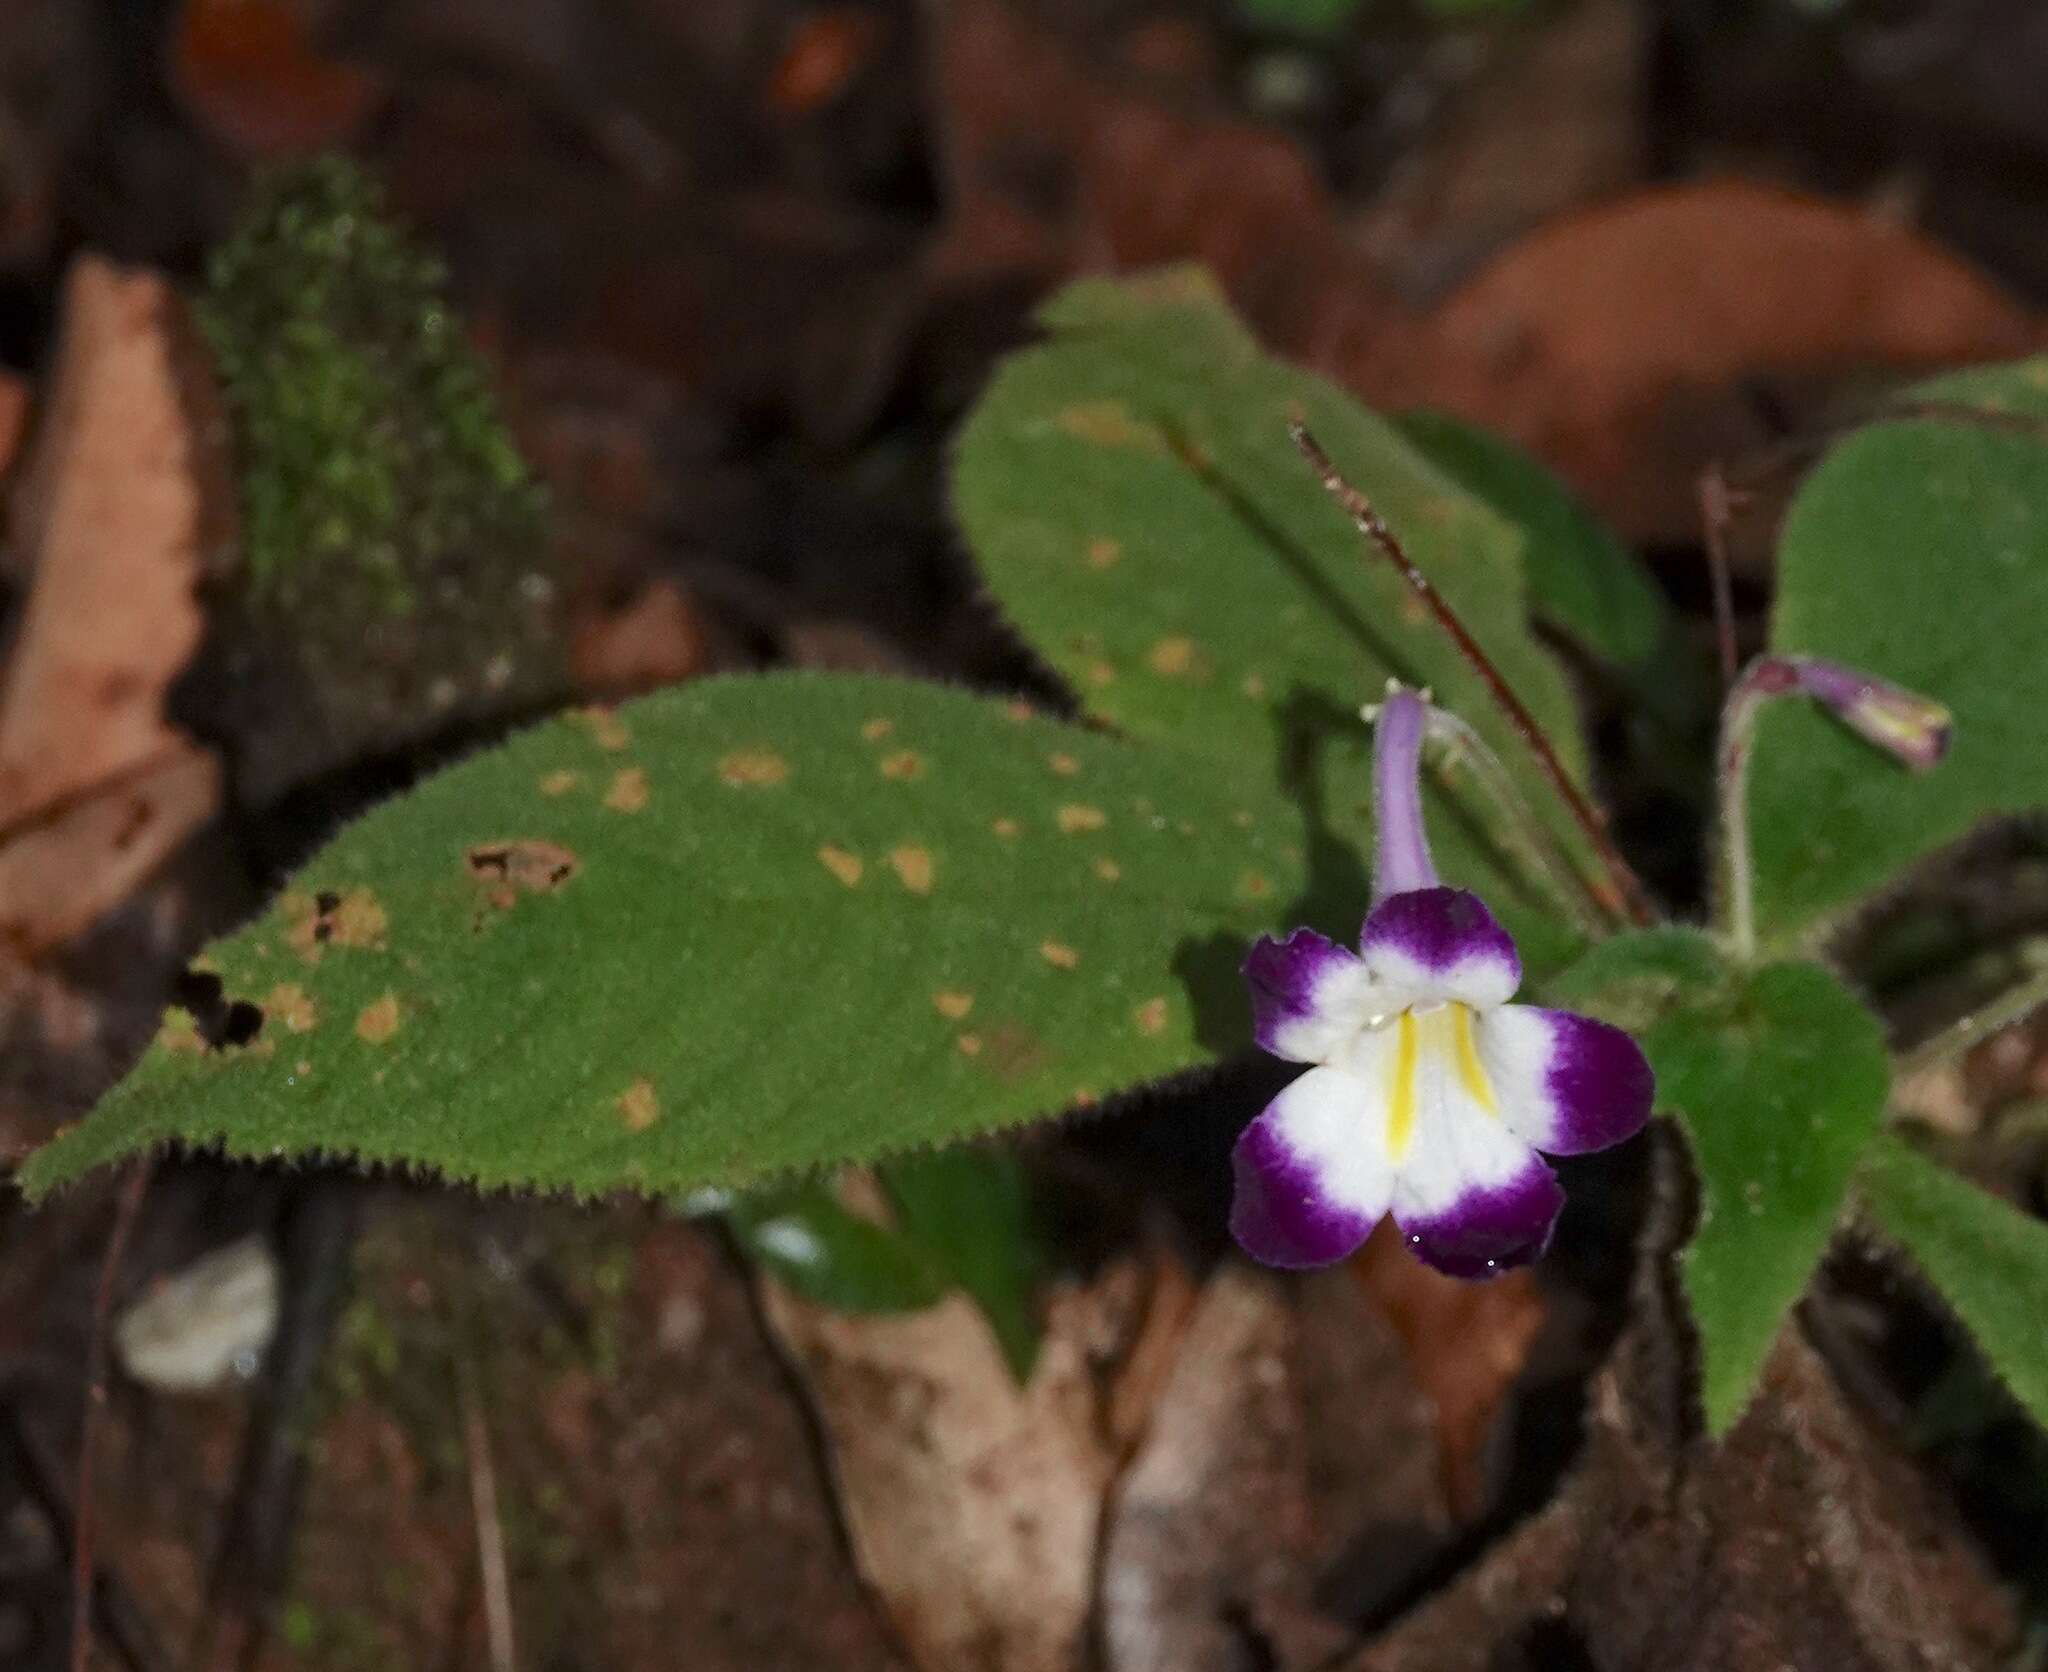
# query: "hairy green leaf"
[[1582, 580], [1131, 493], [1635, 979], [1780, 1079], [1989, 1260], [1917, 550], [734, 930]]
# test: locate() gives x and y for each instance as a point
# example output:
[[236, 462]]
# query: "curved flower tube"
[[1429, 1094]]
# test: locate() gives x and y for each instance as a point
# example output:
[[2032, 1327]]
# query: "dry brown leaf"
[[1214, 1509], [117, 510], [1613, 343], [657, 638], [252, 77], [1467, 1343], [972, 1506], [1616, 343]]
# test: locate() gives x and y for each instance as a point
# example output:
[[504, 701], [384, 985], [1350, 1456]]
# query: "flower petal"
[[1565, 1083], [1471, 1198], [1312, 1177], [1309, 995], [1430, 945]]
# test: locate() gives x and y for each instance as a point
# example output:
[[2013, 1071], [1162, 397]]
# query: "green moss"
[[369, 448]]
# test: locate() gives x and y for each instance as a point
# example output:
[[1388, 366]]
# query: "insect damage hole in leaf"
[[527, 866]]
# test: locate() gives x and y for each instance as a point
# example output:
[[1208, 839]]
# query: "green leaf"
[[1635, 979], [1130, 491], [970, 1208], [738, 929], [811, 1240], [1919, 551], [1582, 580], [1989, 1260], [1780, 1079]]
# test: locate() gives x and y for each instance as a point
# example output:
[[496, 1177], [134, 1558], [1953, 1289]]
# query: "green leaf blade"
[[811, 920], [1988, 1260], [1918, 551], [1780, 1080], [1133, 498]]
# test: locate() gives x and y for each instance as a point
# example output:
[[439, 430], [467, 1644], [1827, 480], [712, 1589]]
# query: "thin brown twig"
[[1625, 893], [126, 1211], [1717, 512], [490, 1533]]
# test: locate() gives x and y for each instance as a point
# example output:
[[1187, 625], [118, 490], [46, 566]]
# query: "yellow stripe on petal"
[[1401, 1093], [1471, 1073]]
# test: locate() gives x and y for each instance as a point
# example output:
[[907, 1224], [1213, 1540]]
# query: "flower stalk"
[[1913, 729]]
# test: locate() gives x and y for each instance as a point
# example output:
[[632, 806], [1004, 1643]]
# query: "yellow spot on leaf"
[[291, 1007], [1084, 1097], [952, 1005], [1151, 1016], [1065, 765], [559, 783], [970, 1044], [1073, 819], [913, 868], [843, 865], [1109, 424], [1253, 687], [1017, 712], [1099, 673], [1254, 885], [903, 766], [1008, 829], [179, 1034], [379, 1020], [1242, 819], [606, 729], [638, 1107], [753, 769], [628, 793], [1103, 551], [877, 729], [1107, 869], [1058, 954], [1172, 657]]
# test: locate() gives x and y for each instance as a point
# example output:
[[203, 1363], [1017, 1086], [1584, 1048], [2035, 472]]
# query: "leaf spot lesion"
[[353, 918], [847, 867], [753, 769], [530, 865], [629, 791], [914, 867], [379, 1020]]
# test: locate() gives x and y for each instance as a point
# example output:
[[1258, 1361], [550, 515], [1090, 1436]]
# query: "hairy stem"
[[1623, 894]]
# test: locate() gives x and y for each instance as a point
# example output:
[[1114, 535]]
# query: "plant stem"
[[1978, 1024], [1534, 840], [1764, 678], [1624, 894], [1717, 511]]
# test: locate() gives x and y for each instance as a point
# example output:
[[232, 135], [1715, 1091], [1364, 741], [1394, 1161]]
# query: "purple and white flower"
[[1429, 1095]]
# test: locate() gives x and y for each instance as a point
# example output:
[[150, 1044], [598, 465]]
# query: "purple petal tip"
[[1490, 1231]]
